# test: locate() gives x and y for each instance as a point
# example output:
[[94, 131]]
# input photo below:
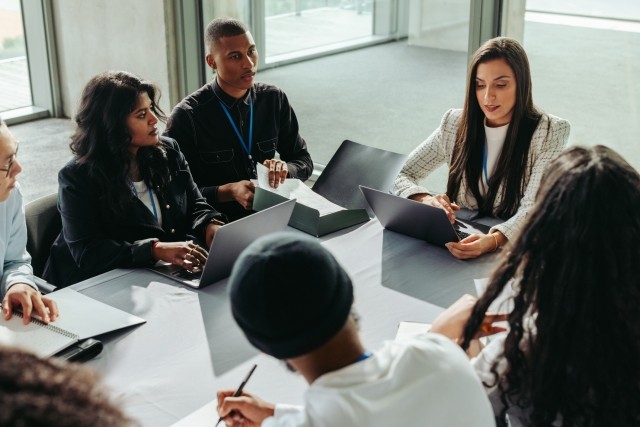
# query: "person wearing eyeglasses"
[[17, 286]]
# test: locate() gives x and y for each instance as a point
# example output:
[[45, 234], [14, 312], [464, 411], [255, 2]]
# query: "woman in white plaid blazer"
[[496, 148]]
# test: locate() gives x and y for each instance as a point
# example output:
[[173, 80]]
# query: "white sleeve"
[[483, 362], [286, 416], [427, 157], [17, 261]]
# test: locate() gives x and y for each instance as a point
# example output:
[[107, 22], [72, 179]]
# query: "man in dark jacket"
[[229, 125]]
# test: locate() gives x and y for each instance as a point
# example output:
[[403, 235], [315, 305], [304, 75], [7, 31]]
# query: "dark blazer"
[[93, 240]]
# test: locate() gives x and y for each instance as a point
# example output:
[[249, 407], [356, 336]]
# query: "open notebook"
[[81, 317]]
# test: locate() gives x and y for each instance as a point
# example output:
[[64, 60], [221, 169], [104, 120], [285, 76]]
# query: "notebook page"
[[503, 304], [35, 337], [293, 188], [408, 330]]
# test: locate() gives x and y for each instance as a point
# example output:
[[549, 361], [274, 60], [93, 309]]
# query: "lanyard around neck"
[[484, 163], [364, 356], [247, 146], [153, 203]]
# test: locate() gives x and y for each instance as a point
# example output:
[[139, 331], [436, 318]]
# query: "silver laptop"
[[228, 242], [416, 219]]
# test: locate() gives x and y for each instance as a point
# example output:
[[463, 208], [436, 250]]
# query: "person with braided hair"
[[571, 356]]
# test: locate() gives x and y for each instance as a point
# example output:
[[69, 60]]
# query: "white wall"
[[100, 35]]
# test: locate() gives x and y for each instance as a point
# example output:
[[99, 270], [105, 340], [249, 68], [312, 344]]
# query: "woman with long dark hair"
[[496, 147], [572, 353], [127, 198]]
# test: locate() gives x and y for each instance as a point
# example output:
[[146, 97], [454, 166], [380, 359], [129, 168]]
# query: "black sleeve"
[[199, 212], [181, 128], [83, 230], [291, 146]]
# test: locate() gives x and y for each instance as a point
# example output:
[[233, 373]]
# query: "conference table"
[[167, 371]]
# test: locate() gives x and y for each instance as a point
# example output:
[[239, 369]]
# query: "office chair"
[[356, 164], [43, 226]]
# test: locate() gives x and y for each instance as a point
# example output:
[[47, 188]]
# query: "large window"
[[296, 27], [585, 61], [27, 64], [290, 30], [15, 90]]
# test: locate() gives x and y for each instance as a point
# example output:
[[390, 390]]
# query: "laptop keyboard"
[[462, 234], [188, 275]]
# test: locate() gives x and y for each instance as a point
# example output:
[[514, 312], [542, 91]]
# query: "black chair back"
[[353, 165], [43, 226]]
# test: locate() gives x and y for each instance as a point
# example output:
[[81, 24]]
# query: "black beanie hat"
[[289, 295]]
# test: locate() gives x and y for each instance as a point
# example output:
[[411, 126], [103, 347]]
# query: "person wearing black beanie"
[[308, 323]]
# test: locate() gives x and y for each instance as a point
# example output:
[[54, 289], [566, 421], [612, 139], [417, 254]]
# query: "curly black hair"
[[574, 266], [37, 392], [101, 139]]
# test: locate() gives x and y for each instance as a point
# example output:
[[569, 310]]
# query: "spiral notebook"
[[38, 337], [81, 317]]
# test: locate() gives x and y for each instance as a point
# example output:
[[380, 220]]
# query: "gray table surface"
[[191, 347]]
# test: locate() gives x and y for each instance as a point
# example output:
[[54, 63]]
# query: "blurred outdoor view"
[[15, 91]]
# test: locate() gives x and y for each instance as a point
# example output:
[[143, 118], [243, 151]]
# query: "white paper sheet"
[[295, 189], [503, 304], [408, 330]]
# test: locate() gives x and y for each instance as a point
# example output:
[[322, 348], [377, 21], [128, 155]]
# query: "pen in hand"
[[241, 387]]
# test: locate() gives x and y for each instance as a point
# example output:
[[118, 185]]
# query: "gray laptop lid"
[[413, 218], [230, 240]]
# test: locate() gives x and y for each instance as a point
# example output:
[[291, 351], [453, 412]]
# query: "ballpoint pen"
[[239, 390]]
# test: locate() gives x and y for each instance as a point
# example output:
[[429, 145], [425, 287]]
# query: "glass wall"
[[585, 61], [15, 91], [290, 30], [295, 26]]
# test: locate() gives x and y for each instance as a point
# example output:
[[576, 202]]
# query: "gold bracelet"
[[496, 239]]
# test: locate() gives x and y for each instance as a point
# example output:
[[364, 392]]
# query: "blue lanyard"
[[247, 147], [366, 355], [484, 163], [153, 203]]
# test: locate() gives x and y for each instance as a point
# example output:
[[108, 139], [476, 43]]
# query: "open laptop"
[[416, 219], [228, 242]]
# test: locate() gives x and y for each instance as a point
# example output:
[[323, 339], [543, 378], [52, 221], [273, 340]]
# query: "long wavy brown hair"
[[512, 166], [101, 139]]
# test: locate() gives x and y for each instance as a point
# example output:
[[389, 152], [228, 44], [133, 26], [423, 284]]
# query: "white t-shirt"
[[145, 195], [494, 142], [425, 381]]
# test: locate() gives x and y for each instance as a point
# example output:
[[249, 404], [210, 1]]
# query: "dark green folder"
[[309, 220]]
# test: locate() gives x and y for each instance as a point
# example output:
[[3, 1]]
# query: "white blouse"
[[149, 199], [494, 142]]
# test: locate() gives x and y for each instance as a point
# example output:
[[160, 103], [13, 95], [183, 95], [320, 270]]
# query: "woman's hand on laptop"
[[210, 231], [185, 254], [439, 201], [476, 244]]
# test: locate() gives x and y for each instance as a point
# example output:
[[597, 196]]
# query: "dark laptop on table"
[[416, 219], [228, 242]]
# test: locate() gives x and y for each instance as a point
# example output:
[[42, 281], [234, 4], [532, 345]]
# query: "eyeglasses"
[[11, 162]]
